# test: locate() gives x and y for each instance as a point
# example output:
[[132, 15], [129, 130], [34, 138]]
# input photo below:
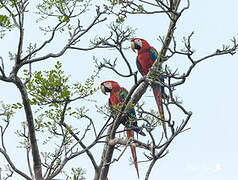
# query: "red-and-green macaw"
[[117, 97], [145, 58]]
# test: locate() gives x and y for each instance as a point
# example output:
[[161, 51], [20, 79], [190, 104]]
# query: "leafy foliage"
[[115, 2], [48, 87], [62, 9], [76, 174], [4, 21], [50, 91], [5, 24], [6, 111]]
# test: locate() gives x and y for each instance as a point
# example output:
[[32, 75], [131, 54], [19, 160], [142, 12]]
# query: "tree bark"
[[31, 129]]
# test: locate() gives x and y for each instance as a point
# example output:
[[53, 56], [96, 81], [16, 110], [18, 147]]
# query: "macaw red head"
[[138, 44], [109, 86]]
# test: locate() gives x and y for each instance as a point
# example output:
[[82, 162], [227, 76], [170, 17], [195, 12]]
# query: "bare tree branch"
[[13, 166], [73, 39], [44, 44]]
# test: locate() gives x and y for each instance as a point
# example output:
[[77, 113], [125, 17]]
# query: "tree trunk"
[[31, 129]]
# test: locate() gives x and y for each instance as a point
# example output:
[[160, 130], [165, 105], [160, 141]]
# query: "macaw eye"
[[138, 42], [108, 85]]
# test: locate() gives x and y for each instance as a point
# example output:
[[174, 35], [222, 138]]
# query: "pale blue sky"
[[209, 149]]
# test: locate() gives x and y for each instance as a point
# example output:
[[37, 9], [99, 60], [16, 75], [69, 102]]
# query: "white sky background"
[[209, 149]]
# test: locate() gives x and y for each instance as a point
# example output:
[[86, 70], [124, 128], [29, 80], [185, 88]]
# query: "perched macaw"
[[117, 97], [145, 58]]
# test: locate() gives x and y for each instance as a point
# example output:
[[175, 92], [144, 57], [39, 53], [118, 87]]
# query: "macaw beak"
[[133, 46], [103, 89]]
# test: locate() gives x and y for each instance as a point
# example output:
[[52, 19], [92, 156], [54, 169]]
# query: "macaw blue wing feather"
[[158, 90], [139, 66], [153, 54], [123, 94]]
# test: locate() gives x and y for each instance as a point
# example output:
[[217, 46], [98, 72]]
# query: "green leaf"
[[4, 20], [17, 106], [115, 2]]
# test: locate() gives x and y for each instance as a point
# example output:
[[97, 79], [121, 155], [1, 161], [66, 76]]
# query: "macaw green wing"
[[123, 93]]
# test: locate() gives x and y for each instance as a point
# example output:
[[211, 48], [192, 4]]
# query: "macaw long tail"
[[130, 134], [158, 98]]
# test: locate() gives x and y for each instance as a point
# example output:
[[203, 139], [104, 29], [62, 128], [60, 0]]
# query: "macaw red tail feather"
[[130, 134], [158, 99]]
